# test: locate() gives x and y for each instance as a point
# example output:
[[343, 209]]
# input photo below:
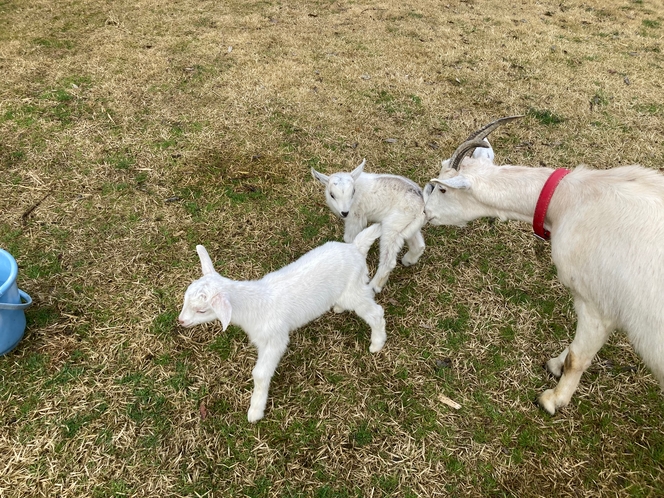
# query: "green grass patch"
[[651, 24], [545, 117]]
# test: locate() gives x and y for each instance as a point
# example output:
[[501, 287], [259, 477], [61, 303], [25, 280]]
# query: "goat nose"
[[344, 214]]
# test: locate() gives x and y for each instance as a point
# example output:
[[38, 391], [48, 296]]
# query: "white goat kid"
[[607, 242], [393, 201], [332, 275]]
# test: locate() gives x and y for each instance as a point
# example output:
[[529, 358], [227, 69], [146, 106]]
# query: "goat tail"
[[366, 237]]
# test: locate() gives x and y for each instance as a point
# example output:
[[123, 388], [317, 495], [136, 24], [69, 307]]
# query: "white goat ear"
[[458, 181], [484, 152], [355, 174], [206, 262], [324, 179], [222, 308]]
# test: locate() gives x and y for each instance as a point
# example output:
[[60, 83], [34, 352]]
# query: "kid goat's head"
[[205, 300], [339, 189], [445, 198]]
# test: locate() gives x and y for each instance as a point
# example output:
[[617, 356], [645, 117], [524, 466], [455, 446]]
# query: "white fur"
[[484, 152], [332, 275], [607, 242], [393, 201]]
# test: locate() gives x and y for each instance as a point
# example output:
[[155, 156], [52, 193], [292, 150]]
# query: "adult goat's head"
[[446, 202]]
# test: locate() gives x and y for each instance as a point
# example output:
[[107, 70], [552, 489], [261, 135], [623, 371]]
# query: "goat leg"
[[592, 332], [269, 356]]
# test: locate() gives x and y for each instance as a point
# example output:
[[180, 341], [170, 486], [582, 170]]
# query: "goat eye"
[[332, 195], [442, 190], [353, 192]]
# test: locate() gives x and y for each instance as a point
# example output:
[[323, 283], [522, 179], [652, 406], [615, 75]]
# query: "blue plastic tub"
[[13, 302]]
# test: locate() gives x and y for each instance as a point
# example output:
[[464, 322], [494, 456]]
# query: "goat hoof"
[[254, 415], [554, 367], [547, 401], [375, 285], [376, 289], [408, 261], [374, 348]]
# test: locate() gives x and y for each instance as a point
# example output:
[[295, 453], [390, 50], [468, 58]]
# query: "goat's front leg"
[[354, 225], [592, 332], [391, 243], [269, 355]]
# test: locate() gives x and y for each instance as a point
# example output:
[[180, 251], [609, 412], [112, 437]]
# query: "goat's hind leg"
[[365, 307], [591, 333], [391, 243], [414, 239], [269, 355], [416, 247], [555, 365]]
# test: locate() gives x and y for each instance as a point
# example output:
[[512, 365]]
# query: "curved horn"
[[484, 132], [463, 150]]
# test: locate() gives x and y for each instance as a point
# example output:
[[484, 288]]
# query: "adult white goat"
[[332, 275], [393, 201], [607, 242]]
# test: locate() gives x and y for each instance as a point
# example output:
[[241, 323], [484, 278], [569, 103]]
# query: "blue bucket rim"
[[13, 272]]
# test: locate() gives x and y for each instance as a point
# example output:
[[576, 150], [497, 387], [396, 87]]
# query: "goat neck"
[[508, 192], [247, 297]]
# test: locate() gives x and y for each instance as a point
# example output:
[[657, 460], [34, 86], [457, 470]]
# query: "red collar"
[[543, 203]]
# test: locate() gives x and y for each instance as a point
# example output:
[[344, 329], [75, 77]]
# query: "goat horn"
[[463, 150], [476, 139], [484, 132]]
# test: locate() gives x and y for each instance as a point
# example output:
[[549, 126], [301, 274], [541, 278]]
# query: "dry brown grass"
[[138, 129]]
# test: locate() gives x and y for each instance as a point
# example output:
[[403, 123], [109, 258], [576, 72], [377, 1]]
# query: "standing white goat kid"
[[393, 201], [332, 275], [607, 242]]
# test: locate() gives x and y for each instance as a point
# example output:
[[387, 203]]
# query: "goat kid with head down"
[[333, 275], [607, 242], [393, 201]]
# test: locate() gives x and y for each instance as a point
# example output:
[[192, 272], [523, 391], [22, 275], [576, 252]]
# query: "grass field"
[[132, 131]]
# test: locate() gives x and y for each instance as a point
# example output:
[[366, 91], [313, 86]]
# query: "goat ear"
[[222, 308], [484, 152], [355, 174], [324, 179], [458, 181], [206, 262]]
